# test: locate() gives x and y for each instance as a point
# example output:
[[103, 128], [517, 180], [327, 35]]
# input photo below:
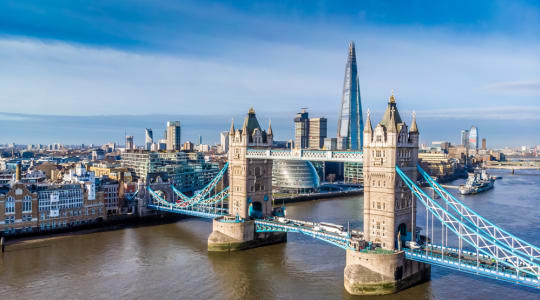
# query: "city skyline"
[[328, 149], [41, 129]]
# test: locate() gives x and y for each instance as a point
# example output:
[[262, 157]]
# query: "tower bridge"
[[389, 254]]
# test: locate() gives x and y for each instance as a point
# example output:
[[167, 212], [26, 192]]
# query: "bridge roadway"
[[469, 262], [340, 238], [309, 155]]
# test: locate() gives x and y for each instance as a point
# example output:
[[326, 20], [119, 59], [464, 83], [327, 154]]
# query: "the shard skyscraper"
[[350, 124]]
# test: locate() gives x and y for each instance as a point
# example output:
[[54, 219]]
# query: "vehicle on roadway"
[[283, 220], [412, 245], [334, 228]]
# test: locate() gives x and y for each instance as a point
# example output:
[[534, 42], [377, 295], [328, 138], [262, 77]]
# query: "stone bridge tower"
[[389, 212], [250, 191], [250, 180]]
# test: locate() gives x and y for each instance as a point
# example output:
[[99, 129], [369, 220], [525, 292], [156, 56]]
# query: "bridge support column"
[[380, 274], [229, 235]]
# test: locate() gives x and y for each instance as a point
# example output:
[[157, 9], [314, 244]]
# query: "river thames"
[[171, 261]]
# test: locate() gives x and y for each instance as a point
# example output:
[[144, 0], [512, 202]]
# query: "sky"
[[455, 64]]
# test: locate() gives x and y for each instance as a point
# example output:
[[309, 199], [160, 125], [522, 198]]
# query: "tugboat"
[[478, 181]]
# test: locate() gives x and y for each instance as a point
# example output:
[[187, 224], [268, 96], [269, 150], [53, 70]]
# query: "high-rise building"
[[484, 146], [148, 138], [173, 135], [301, 130], [129, 142], [188, 146], [224, 141], [473, 138], [350, 124], [465, 138], [317, 132]]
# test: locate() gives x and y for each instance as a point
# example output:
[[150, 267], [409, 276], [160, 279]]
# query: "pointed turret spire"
[[392, 123], [244, 126], [392, 99], [270, 128], [414, 127], [231, 131], [367, 127]]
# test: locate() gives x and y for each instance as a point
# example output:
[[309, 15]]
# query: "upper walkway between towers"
[[304, 154]]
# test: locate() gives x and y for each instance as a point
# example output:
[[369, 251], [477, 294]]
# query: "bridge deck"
[[202, 212], [342, 239], [469, 264]]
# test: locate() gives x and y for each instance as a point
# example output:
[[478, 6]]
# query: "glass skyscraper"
[[473, 138], [350, 124]]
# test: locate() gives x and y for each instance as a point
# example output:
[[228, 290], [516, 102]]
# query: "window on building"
[[27, 204], [10, 205]]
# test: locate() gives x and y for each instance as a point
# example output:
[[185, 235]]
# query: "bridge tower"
[[250, 191], [250, 180], [389, 213], [389, 210]]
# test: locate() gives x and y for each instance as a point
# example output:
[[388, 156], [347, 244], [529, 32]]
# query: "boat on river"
[[477, 182]]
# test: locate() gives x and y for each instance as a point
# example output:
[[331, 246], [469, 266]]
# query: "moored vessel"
[[477, 182]]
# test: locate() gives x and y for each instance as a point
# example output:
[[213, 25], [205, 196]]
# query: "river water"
[[171, 261]]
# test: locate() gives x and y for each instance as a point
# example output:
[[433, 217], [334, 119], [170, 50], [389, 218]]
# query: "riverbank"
[[115, 223], [317, 196]]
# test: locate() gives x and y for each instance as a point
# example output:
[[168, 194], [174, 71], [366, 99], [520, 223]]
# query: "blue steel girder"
[[216, 198], [200, 196], [510, 241], [199, 211], [470, 267], [472, 236], [188, 212]]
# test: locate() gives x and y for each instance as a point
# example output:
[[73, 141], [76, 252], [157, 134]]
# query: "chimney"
[[18, 172]]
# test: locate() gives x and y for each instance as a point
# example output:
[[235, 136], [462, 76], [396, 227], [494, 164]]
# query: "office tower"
[[129, 142], [473, 138], [350, 124], [224, 141], [200, 139], [301, 130], [317, 132], [173, 135], [148, 138], [465, 138], [188, 146], [484, 146], [330, 144]]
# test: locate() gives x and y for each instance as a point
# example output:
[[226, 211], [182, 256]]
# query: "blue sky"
[[469, 61]]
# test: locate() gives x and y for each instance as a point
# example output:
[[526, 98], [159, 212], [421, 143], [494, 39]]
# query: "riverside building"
[[43, 207], [188, 173]]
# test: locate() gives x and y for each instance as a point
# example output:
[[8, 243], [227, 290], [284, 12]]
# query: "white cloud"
[[508, 113], [432, 71], [525, 85]]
